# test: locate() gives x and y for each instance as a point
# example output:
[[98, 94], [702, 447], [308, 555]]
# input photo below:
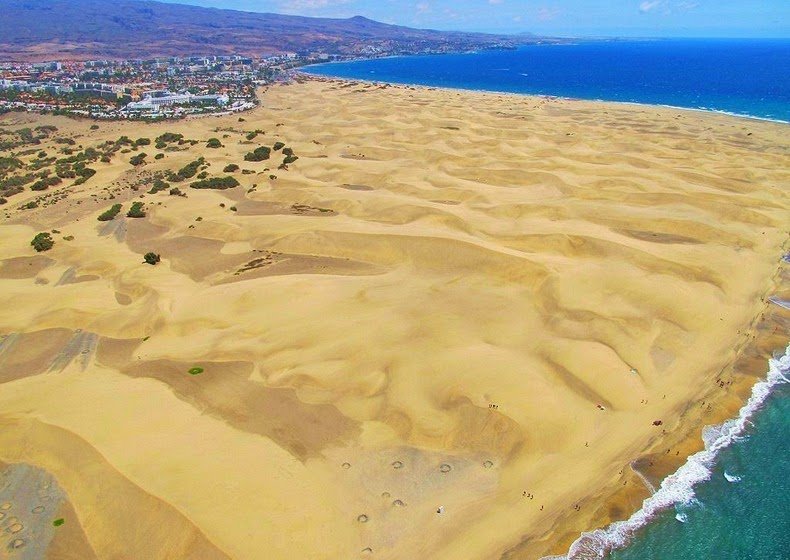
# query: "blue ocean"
[[745, 77], [730, 501]]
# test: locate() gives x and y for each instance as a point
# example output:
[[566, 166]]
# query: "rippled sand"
[[473, 302]]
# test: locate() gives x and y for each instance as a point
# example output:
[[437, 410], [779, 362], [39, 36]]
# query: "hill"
[[87, 29]]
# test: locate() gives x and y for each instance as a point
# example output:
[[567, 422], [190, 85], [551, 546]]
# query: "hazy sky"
[[662, 18]]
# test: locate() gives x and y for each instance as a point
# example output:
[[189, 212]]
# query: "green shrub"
[[189, 170], [159, 156], [288, 151], [139, 159], [109, 214], [213, 143], [168, 137], [143, 141], [218, 183], [202, 175], [278, 146], [152, 258], [158, 186], [136, 211], [231, 168], [196, 370], [290, 159], [42, 242], [175, 191], [259, 154]]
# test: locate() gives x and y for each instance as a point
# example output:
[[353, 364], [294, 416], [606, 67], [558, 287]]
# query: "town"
[[154, 89]]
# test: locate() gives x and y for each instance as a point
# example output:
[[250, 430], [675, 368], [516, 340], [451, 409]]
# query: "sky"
[[576, 18]]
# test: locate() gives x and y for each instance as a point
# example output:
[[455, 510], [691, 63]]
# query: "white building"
[[155, 103]]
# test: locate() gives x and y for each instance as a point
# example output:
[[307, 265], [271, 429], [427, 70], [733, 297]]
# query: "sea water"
[[744, 77], [727, 502]]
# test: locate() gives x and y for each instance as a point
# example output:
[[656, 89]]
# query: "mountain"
[[88, 29]]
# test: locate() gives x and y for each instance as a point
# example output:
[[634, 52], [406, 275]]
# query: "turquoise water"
[[727, 502], [745, 77], [739, 520]]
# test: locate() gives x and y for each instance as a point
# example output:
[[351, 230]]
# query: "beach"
[[445, 331]]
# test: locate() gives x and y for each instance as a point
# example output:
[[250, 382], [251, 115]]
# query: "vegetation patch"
[[218, 183], [152, 258], [108, 215], [231, 168], [139, 159], [42, 242], [259, 154], [196, 370], [136, 211], [58, 522], [213, 143]]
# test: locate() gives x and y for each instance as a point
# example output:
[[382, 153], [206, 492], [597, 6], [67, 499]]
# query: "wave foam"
[[678, 488]]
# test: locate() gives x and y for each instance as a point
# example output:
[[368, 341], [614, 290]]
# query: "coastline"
[[307, 75], [352, 172]]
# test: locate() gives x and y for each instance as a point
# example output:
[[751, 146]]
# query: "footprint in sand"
[[16, 527], [445, 468], [5, 506], [16, 544], [346, 465], [488, 464], [38, 509], [397, 465], [398, 503], [386, 495], [363, 518]]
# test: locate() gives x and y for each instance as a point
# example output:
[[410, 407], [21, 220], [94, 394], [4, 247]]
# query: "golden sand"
[[470, 301]]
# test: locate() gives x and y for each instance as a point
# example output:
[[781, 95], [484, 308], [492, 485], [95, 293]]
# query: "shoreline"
[[671, 481], [678, 487], [303, 71]]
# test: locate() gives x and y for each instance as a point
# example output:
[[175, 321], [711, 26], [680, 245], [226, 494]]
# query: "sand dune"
[[474, 301]]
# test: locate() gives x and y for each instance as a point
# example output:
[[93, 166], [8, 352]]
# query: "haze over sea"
[[745, 77], [700, 513]]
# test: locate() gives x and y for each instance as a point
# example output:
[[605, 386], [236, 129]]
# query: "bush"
[[213, 143], [218, 183], [202, 175], [108, 215], [136, 211], [189, 170], [42, 242], [288, 151], [159, 185], [152, 258], [168, 137], [175, 191], [278, 146], [94, 127], [159, 156], [290, 159], [138, 159], [251, 135], [143, 142], [231, 168], [259, 154]]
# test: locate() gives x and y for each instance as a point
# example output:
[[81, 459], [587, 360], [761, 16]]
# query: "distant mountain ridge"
[[87, 29]]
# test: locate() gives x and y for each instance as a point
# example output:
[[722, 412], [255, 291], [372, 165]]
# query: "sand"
[[474, 302]]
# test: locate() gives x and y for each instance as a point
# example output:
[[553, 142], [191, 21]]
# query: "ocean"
[[744, 77], [732, 500]]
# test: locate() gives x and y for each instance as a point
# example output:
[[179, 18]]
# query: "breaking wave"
[[678, 488]]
